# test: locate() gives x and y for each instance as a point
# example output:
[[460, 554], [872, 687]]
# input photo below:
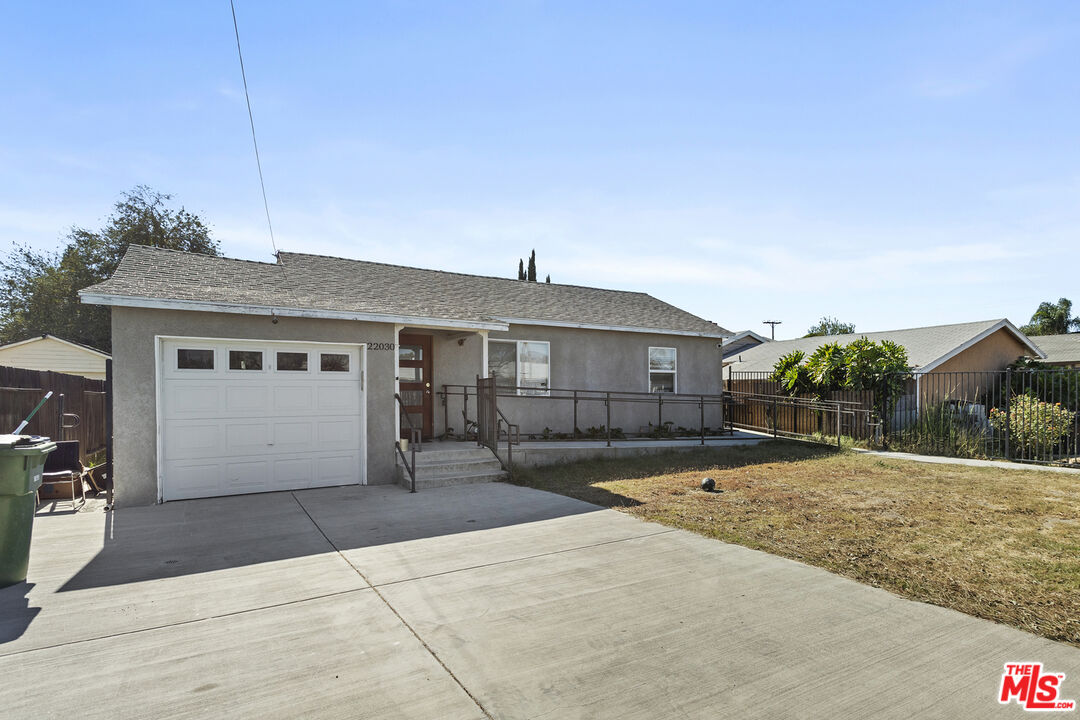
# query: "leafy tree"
[[548, 279], [792, 375], [860, 365], [828, 367], [521, 269], [39, 289], [830, 326], [532, 267], [1052, 319]]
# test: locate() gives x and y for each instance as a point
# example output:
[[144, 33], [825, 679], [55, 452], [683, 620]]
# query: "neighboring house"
[[739, 342], [1060, 350], [55, 354], [950, 361], [234, 376]]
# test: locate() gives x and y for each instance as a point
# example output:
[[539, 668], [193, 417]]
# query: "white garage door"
[[246, 416]]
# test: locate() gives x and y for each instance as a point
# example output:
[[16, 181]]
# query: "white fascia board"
[[979, 338], [613, 328], [243, 309]]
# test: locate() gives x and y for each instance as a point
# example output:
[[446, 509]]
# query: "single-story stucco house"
[[233, 376], [48, 352], [1060, 350]]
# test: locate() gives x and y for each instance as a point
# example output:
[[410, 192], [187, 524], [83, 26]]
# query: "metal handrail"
[[607, 397], [534, 393], [416, 439], [415, 436], [517, 428]]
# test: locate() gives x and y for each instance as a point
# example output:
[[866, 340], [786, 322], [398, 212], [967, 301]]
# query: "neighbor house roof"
[[319, 286], [1059, 348], [741, 341], [927, 347], [46, 336]]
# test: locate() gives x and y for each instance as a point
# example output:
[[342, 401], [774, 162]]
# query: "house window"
[[187, 359], [292, 361], [334, 362], [245, 360], [521, 364], [662, 369]]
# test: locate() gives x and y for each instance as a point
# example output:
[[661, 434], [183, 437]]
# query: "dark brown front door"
[[414, 380]]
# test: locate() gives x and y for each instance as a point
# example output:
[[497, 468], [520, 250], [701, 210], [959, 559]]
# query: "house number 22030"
[[381, 346]]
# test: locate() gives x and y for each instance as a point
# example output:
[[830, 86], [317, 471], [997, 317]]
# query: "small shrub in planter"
[[1033, 424]]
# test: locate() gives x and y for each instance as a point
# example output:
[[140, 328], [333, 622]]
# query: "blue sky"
[[890, 164]]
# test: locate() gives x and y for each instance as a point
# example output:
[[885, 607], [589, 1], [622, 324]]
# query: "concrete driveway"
[[467, 602]]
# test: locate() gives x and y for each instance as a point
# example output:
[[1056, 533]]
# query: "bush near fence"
[[22, 389]]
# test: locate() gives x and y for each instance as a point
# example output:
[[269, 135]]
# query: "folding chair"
[[62, 466]]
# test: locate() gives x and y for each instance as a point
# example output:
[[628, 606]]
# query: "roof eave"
[[718, 335], [1005, 324]]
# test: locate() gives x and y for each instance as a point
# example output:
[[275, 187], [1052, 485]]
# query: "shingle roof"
[[1059, 348], [316, 282], [926, 346]]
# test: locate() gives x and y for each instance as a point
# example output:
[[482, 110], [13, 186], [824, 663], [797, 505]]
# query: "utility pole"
[[772, 326]]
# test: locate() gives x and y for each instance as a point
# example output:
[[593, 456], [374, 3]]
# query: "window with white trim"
[[663, 368], [524, 364]]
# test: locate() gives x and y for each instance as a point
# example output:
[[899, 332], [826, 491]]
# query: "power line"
[[772, 324], [251, 119]]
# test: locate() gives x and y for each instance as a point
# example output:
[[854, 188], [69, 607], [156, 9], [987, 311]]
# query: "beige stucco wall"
[[454, 364], [971, 374], [607, 360], [51, 354], [134, 393]]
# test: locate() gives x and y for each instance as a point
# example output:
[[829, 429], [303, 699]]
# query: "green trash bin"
[[22, 460]]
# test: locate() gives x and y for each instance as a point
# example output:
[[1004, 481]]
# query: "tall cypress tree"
[[521, 269], [548, 279], [532, 267]]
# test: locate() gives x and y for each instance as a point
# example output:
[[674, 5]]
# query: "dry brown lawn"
[[995, 543]]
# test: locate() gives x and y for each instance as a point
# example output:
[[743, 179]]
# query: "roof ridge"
[[463, 274], [154, 248], [862, 333]]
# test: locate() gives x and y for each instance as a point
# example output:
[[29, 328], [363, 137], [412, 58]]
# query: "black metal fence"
[[1026, 415], [573, 414]]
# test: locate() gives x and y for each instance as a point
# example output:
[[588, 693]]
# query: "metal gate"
[[487, 427]]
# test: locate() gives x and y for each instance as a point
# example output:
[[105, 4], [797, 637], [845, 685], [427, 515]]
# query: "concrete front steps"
[[443, 467]]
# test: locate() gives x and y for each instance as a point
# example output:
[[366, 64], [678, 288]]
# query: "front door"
[[414, 378]]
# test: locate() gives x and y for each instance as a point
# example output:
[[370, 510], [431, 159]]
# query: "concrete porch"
[[549, 452]]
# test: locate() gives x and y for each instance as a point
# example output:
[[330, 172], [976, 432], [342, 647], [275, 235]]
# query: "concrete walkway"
[[467, 602], [938, 460]]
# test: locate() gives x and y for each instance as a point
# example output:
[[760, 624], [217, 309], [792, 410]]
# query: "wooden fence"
[[855, 420], [73, 395]]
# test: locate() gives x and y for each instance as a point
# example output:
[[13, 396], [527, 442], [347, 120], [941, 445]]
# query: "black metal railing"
[[415, 440], [577, 400]]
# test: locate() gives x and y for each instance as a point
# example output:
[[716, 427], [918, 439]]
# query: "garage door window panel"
[[334, 362], [245, 360], [292, 362], [194, 359]]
